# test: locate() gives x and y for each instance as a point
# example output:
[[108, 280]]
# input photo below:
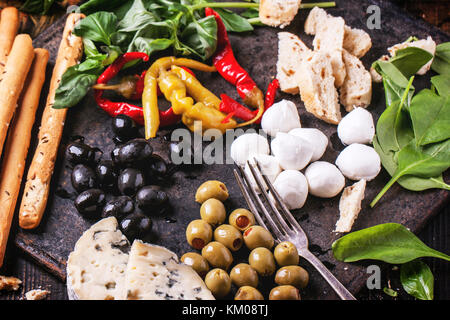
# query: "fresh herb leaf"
[[92, 6], [389, 242], [151, 45], [390, 292], [417, 280], [410, 60], [201, 37], [234, 22], [37, 6], [97, 27], [442, 84], [441, 62]]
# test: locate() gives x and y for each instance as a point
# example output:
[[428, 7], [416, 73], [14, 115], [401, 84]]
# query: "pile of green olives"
[[216, 240], [126, 186]]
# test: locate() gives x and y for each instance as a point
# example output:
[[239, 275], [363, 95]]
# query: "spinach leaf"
[[234, 22], [389, 242], [390, 292], [97, 27], [430, 115], [76, 82], [417, 279], [410, 60], [441, 62], [442, 84]]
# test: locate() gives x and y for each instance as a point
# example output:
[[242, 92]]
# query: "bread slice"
[[278, 13], [356, 91], [356, 41], [317, 90], [350, 206], [427, 44], [291, 51]]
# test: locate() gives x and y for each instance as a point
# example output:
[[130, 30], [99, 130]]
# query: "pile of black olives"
[[126, 186]]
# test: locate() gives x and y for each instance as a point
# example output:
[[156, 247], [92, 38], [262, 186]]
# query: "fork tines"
[[281, 225]]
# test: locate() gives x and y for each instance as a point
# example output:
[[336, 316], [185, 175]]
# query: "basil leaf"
[[97, 27], [441, 62], [151, 45], [200, 36], [37, 6], [92, 6], [136, 18], [417, 280], [389, 242], [430, 116], [250, 13], [76, 82], [234, 22]]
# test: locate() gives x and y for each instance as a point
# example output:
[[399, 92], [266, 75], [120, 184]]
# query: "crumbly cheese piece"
[[9, 283], [350, 206], [427, 44], [278, 13], [356, 91], [96, 267], [291, 51], [154, 273], [37, 294]]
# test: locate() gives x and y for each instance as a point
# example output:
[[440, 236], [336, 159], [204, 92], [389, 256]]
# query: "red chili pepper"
[[115, 108], [226, 63], [271, 93]]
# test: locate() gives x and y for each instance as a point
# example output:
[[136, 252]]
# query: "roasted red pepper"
[[115, 108]]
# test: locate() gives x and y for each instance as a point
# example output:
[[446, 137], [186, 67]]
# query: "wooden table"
[[436, 234]]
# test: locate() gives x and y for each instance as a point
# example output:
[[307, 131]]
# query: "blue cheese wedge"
[[154, 273], [96, 268]]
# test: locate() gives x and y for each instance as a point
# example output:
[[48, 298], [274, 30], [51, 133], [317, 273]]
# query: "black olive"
[[83, 178], [136, 225], [90, 202], [78, 152], [115, 155], [157, 167], [118, 207], [124, 127], [129, 181], [135, 152], [151, 197], [106, 173]]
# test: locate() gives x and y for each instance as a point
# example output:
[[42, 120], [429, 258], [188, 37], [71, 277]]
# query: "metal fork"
[[284, 227]]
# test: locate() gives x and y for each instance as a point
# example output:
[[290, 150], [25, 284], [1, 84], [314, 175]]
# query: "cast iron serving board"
[[61, 227]]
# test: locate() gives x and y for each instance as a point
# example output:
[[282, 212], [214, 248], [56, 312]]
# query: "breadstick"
[[39, 175], [17, 143], [9, 25], [14, 76]]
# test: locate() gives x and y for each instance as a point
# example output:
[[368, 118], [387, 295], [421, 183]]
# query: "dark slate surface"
[[51, 243]]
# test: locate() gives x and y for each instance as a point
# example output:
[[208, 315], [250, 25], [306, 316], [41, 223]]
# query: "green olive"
[[211, 189], [261, 259], [198, 234], [284, 293], [294, 275], [218, 281], [241, 219], [196, 262], [217, 255], [243, 274], [286, 254], [213, 212], [229, 236], [248, 293], [257, 236]]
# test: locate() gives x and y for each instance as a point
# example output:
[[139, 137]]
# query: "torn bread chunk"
[[9, 283], [350, 206], [356, 41], [317, 90], [37, 294], [427, 44], [278, 13], [291, 51], [356, 91], [329, 39]]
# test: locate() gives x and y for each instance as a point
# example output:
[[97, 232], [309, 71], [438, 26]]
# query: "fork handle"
[[338, 287]]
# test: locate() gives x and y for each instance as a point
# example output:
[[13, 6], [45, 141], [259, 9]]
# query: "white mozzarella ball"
[[356, 127], [324, 179], [281, 117], [247, 146], [292, 187], [270, 167], [315, 137], [292, 152], [358, 161]]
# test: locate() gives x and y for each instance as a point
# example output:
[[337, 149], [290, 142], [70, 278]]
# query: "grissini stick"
[[37, 186], [17, 144], [13, 79], [9, 25]]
